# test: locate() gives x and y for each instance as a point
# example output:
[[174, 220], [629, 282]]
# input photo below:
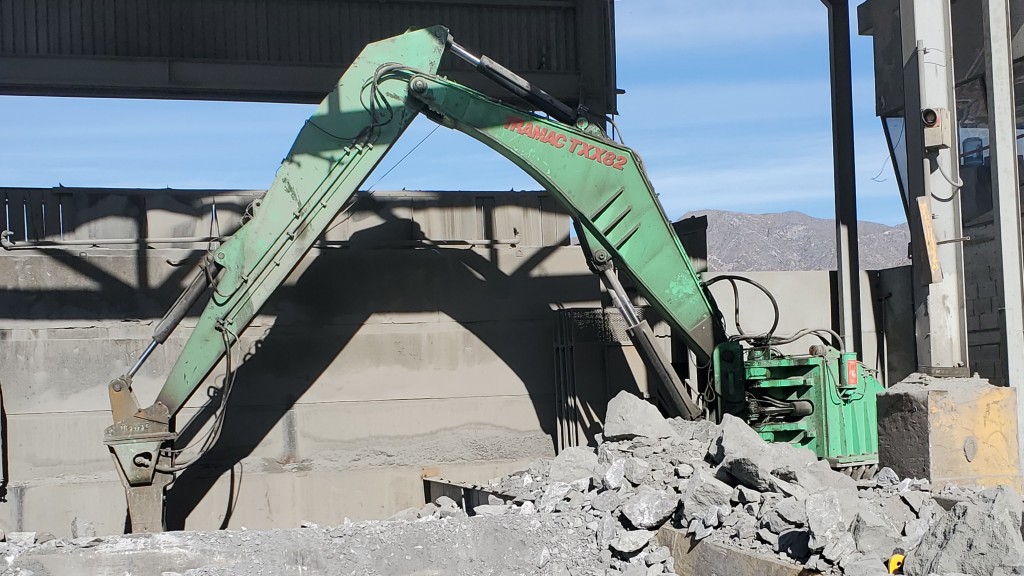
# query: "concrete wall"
[[984, 295], [372, 364], [382, 359], [806, 300]]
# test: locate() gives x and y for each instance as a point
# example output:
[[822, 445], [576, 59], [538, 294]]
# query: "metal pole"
[[940, 309], [847, 254], [1002, 124]]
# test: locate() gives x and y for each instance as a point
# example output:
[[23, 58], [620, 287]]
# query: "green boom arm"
[[604, 187], [337, 148], [602, 184]]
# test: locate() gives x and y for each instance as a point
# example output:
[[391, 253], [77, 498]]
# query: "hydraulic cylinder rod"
[[516, 84]]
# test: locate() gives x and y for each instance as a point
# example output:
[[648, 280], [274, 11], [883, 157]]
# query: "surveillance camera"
[[938, 129]]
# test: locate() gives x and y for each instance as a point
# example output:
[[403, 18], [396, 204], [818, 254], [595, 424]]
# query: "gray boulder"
[[974, 538], [629, 417], [649, 508], [875, 534], [606, 501], [702, 492], [572, 464], [631, 541], [825, 521]]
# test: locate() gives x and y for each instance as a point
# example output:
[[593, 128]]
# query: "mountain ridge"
[[741, 242]]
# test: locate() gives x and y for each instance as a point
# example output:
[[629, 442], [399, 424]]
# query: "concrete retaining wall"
[[375, 364]]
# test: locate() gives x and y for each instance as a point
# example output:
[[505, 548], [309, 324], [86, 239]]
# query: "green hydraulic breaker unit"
[[824, 401]]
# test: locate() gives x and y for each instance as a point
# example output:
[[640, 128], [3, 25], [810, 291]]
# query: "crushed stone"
[[595, 511]]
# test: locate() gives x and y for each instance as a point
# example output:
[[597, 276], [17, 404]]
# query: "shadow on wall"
[[286, 361]]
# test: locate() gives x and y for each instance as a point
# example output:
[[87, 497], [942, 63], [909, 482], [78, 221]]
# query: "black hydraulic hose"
[[775, 304]]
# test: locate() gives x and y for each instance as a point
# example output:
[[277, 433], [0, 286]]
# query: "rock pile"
[[597, 511], [725, 484]]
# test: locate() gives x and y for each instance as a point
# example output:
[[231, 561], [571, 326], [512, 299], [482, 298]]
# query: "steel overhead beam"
[[1002, 125], [288, 50]]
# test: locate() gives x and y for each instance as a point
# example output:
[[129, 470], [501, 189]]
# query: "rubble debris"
[[973, 537], [725, 484], [629, 417], [722, 485]]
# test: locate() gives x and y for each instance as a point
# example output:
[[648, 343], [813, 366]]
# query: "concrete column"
[[932, 178], [848, 261], [1005, 190]]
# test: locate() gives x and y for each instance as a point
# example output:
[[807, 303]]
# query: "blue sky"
[[727, 101]]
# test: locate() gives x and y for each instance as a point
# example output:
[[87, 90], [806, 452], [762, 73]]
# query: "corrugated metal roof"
[[291, 50]]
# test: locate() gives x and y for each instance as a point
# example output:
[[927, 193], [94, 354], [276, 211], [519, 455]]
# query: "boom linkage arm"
[[605, 189]]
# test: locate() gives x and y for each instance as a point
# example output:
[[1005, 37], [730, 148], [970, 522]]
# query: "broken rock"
[[972, 538], [573, 463], [615, 475], [875, 535], [703, 491], [629, 417], [792, 511], [824, 519], [886, 478], [636, 471], [492, 510], [742, 453], [649, 508], [839, 548], [553, 495], [606, 501], [631, 541], [865, 566], [743, 495]]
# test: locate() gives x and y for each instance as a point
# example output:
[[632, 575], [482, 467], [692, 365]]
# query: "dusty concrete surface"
[[511, 545]]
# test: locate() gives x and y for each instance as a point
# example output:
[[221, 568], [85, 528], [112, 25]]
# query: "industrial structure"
[[316, 384]]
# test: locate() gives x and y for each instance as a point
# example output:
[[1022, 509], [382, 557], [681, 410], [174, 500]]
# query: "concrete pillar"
[[932, 178], [1005, 189]]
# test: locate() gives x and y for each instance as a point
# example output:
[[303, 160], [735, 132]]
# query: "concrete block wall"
[[806, 300], [380, 360], [984, 295], [369, 367], [374, 364]]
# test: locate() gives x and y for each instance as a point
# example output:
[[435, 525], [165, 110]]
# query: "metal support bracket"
[[135, 439]]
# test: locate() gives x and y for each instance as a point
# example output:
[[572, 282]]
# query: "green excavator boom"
[[602, 184]]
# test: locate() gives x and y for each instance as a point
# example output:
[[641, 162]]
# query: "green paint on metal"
[[842, 429], [333, 154], [604, 187]]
